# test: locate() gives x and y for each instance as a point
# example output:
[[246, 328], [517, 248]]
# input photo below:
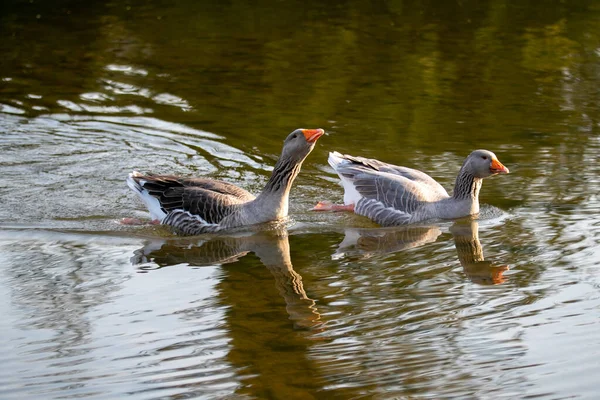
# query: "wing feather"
[[379, 213], [403, 189], [349, 166], [207, 199]]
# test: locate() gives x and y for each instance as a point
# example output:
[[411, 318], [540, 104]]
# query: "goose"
[[193, 206], [392, 195]]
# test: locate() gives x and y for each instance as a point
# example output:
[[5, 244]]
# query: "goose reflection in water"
[[271, 247], [367, 243], [470, 255]]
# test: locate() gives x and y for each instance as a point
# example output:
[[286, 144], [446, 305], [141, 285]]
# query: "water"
[[327, 305]]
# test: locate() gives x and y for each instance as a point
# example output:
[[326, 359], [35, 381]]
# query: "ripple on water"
[[79, 164], [79, 158], [429, 311], [79, 309], [407, 322], [8, 109]]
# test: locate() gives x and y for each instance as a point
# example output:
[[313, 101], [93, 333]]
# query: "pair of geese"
[[387, 194]]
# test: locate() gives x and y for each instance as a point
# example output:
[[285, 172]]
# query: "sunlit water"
[[326, 305]]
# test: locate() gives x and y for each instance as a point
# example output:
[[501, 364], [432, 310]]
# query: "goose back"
[[209, 200]]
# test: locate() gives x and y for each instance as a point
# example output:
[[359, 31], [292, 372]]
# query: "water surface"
[[327, 305]]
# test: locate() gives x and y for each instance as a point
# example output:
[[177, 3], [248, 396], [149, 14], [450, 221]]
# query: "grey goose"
[[392, 195], [201, 205]]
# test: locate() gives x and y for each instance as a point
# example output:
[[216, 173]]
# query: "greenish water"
[[328, 306]]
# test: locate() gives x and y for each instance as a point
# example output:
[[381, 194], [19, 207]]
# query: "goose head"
[[298, 145], [484, 163]]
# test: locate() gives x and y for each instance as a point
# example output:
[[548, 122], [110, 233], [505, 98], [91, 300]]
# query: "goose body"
[[200, 205], [393, 195]]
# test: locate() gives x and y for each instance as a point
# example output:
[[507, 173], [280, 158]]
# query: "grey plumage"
[[393, 195], [199, 205]]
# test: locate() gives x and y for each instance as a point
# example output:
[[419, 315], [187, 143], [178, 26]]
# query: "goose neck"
[[467, 186], [274, 196]]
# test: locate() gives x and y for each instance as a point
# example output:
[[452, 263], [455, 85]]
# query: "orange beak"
[[496, 273], [497, 167], [312, 135]]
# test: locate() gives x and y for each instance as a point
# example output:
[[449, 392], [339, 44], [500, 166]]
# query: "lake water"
[[327, 305]]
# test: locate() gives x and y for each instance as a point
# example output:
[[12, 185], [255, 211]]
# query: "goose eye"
[[484, 157]]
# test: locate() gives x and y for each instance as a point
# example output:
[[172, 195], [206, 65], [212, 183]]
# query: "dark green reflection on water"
[[399, 81], [389, 75], [413, 83], [271, 359]]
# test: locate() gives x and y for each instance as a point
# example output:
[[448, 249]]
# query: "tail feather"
[[136, 182], [335, 159], [337, 162], [133, 183]]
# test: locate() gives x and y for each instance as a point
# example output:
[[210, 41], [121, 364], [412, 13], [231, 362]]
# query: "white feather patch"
[[351, 195], [151, 202]]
